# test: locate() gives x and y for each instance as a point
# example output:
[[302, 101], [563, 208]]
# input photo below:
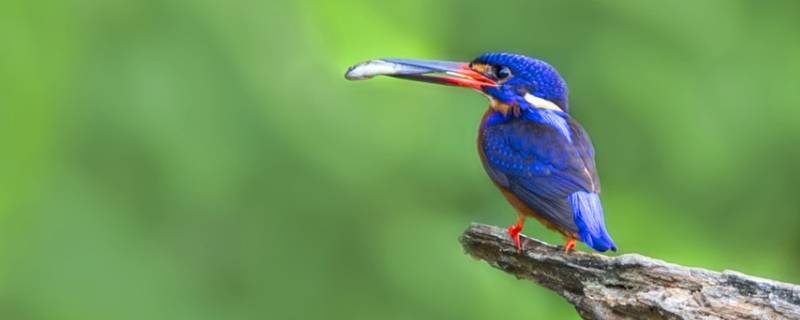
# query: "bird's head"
[[512, 82]]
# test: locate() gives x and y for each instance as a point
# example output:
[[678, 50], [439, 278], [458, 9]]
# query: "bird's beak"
[[442, 72]]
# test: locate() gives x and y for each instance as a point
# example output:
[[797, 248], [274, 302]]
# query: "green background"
[[207, 159]]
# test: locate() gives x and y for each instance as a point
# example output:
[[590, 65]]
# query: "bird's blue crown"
[[518, 75]]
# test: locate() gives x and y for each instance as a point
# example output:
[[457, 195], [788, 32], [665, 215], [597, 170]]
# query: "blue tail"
[[588, 214]]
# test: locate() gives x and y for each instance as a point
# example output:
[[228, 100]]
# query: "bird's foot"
[[514, 231], [571, 243]]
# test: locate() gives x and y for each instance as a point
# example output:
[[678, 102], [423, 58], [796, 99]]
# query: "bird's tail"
[[588, 214]]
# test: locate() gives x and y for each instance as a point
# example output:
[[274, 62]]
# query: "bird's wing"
[[542, 167]]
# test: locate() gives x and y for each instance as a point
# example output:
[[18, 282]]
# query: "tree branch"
[[632, 286]]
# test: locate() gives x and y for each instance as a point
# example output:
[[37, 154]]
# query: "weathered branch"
[[632, 286]]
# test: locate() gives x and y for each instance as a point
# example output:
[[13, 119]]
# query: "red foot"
[[570, 245], [513, 232]]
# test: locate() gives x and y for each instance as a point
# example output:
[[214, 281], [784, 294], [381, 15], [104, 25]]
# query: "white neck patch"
[[540, 103]]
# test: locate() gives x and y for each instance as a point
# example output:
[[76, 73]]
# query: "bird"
[[533, 150]]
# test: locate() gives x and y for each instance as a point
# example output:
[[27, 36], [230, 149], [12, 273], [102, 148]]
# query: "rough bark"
[[632, 286]]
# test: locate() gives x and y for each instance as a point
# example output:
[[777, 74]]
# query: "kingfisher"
[[534, 151]]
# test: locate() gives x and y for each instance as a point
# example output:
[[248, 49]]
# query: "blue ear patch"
[[588, 214]]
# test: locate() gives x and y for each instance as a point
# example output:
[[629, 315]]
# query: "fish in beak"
[[449, 73]]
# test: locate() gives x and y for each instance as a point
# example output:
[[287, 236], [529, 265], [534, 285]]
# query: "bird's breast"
[[490, 117], [482, 133]]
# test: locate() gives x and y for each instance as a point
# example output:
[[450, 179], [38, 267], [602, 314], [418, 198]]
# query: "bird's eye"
[[502, 72]]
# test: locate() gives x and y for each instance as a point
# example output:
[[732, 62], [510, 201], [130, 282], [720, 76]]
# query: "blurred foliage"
[[167, 159]]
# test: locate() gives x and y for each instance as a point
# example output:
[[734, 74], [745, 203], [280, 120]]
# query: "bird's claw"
[[569, 246], [514, 232]]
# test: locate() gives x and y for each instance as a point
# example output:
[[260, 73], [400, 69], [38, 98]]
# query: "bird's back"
[[551, 173]]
